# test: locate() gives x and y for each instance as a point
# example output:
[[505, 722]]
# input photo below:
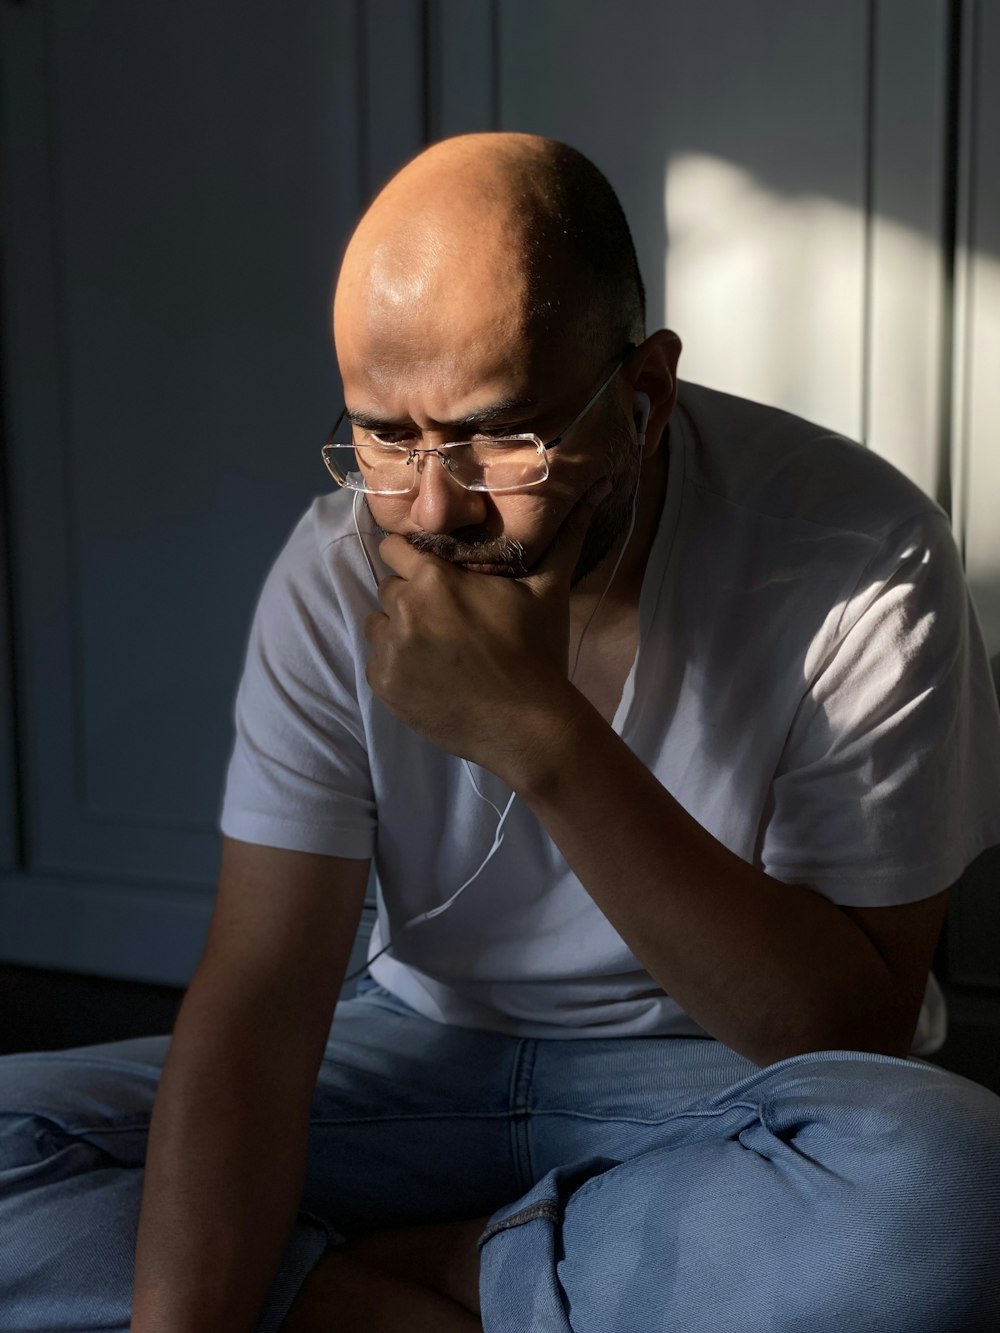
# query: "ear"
[[652, 370]]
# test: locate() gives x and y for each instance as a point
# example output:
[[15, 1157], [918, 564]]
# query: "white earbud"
[[642, 405]]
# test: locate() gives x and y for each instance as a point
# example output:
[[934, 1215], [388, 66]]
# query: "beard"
[[470, 546], [612, 519]]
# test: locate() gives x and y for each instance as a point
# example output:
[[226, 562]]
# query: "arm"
[[229, 1133], [769, 967], [772, 969]]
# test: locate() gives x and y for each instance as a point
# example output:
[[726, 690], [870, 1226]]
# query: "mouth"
[[502, 556], [478, 567]]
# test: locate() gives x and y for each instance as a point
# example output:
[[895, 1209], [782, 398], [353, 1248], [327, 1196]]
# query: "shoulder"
[[322, 570]]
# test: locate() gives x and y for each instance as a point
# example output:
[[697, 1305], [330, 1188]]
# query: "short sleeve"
[[889, 784], [298, 777]]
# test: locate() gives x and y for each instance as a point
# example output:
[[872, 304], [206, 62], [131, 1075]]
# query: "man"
[[678, 703]]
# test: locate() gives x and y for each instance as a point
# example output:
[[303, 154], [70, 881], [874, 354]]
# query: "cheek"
[[524, 518], [389, 514]]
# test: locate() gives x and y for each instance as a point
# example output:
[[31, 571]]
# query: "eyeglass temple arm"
[[629, 349], [336, 425]]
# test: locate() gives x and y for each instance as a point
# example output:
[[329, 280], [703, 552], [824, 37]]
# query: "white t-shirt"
[[810, 684]]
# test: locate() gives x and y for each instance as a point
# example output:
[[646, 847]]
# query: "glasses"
[[370, 462]]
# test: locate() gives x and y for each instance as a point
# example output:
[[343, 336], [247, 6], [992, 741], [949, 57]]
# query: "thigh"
[[73, 1128], [838, 1190], [408, 1125], [614, 1097], [411, 1120], [104, 1093]]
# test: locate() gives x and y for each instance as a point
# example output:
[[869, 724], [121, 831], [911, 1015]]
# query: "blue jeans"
[[640, 1185]]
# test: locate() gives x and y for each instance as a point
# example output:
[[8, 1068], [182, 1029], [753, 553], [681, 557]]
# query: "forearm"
[[225, 1164], [771, 969]]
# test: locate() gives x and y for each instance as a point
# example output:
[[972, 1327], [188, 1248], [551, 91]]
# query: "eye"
[[395, 439], [500, 433]]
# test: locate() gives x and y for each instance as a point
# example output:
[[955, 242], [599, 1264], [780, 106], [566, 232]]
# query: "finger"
[[373, 624], [388, 586], [563, 555]]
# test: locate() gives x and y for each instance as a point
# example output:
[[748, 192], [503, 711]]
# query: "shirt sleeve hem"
[[872, 887], [324, 839]]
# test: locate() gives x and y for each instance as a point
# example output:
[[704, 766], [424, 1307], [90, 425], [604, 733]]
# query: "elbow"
[[888, 1031], [870, 1039]]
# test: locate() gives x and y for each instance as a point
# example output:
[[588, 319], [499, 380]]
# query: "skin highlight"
[[436, 315], [432, 321]]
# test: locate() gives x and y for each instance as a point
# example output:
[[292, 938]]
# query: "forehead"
[[440, 352], [437, 307]]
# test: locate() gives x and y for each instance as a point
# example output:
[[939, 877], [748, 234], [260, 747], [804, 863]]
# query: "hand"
[[472, 661]]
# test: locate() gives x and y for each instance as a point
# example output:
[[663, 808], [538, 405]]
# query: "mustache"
[[472, 549], [506, 552]]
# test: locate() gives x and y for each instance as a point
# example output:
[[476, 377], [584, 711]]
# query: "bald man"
[[667, 723]]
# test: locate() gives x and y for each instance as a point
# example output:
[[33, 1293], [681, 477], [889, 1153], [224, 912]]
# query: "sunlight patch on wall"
[[976, 517], [766, 292], [797, 301]]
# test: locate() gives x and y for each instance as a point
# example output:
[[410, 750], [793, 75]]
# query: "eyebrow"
[[502, 410]]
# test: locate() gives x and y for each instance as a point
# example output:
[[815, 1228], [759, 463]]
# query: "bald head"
[[489, 241]]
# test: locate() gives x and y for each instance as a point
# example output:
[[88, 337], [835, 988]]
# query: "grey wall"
[[179, 183]]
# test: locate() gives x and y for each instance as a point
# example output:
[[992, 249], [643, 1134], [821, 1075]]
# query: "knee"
[[904, 1129], [102, 1094], [53, 1081], [946, 1137], [930, 1195]]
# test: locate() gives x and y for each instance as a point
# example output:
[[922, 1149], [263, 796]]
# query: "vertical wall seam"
[[427, 128], [13, 816], [363, 140], [962, 259], [8, 630], [64, 393], [944, 481], [495, 64], [868, 194], [971, 73]]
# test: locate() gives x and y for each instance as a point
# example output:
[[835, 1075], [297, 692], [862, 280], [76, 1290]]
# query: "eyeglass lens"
[[487, 465]]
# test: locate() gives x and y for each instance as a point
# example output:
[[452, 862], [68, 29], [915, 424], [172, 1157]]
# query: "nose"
[[440, 504]]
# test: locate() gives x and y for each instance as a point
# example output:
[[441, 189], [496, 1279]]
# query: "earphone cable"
[[498, 834]]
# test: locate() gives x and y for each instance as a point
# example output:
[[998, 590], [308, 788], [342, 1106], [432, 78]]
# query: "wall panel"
[[977, 316], [181, 181]]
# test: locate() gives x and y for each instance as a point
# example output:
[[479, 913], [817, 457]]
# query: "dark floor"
[[42, 1010]]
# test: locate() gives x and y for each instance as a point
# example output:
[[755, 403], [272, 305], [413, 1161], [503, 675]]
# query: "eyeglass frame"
[[413, 454]]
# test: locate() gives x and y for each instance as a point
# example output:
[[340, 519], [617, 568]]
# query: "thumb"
[[560, 560]]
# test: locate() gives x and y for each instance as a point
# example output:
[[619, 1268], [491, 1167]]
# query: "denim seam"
[[79, 1131], [69, 1058], [610, 1119], [519, 1111], [544, 1211], [526, 1113], [415, 1115], [46, 1124]]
